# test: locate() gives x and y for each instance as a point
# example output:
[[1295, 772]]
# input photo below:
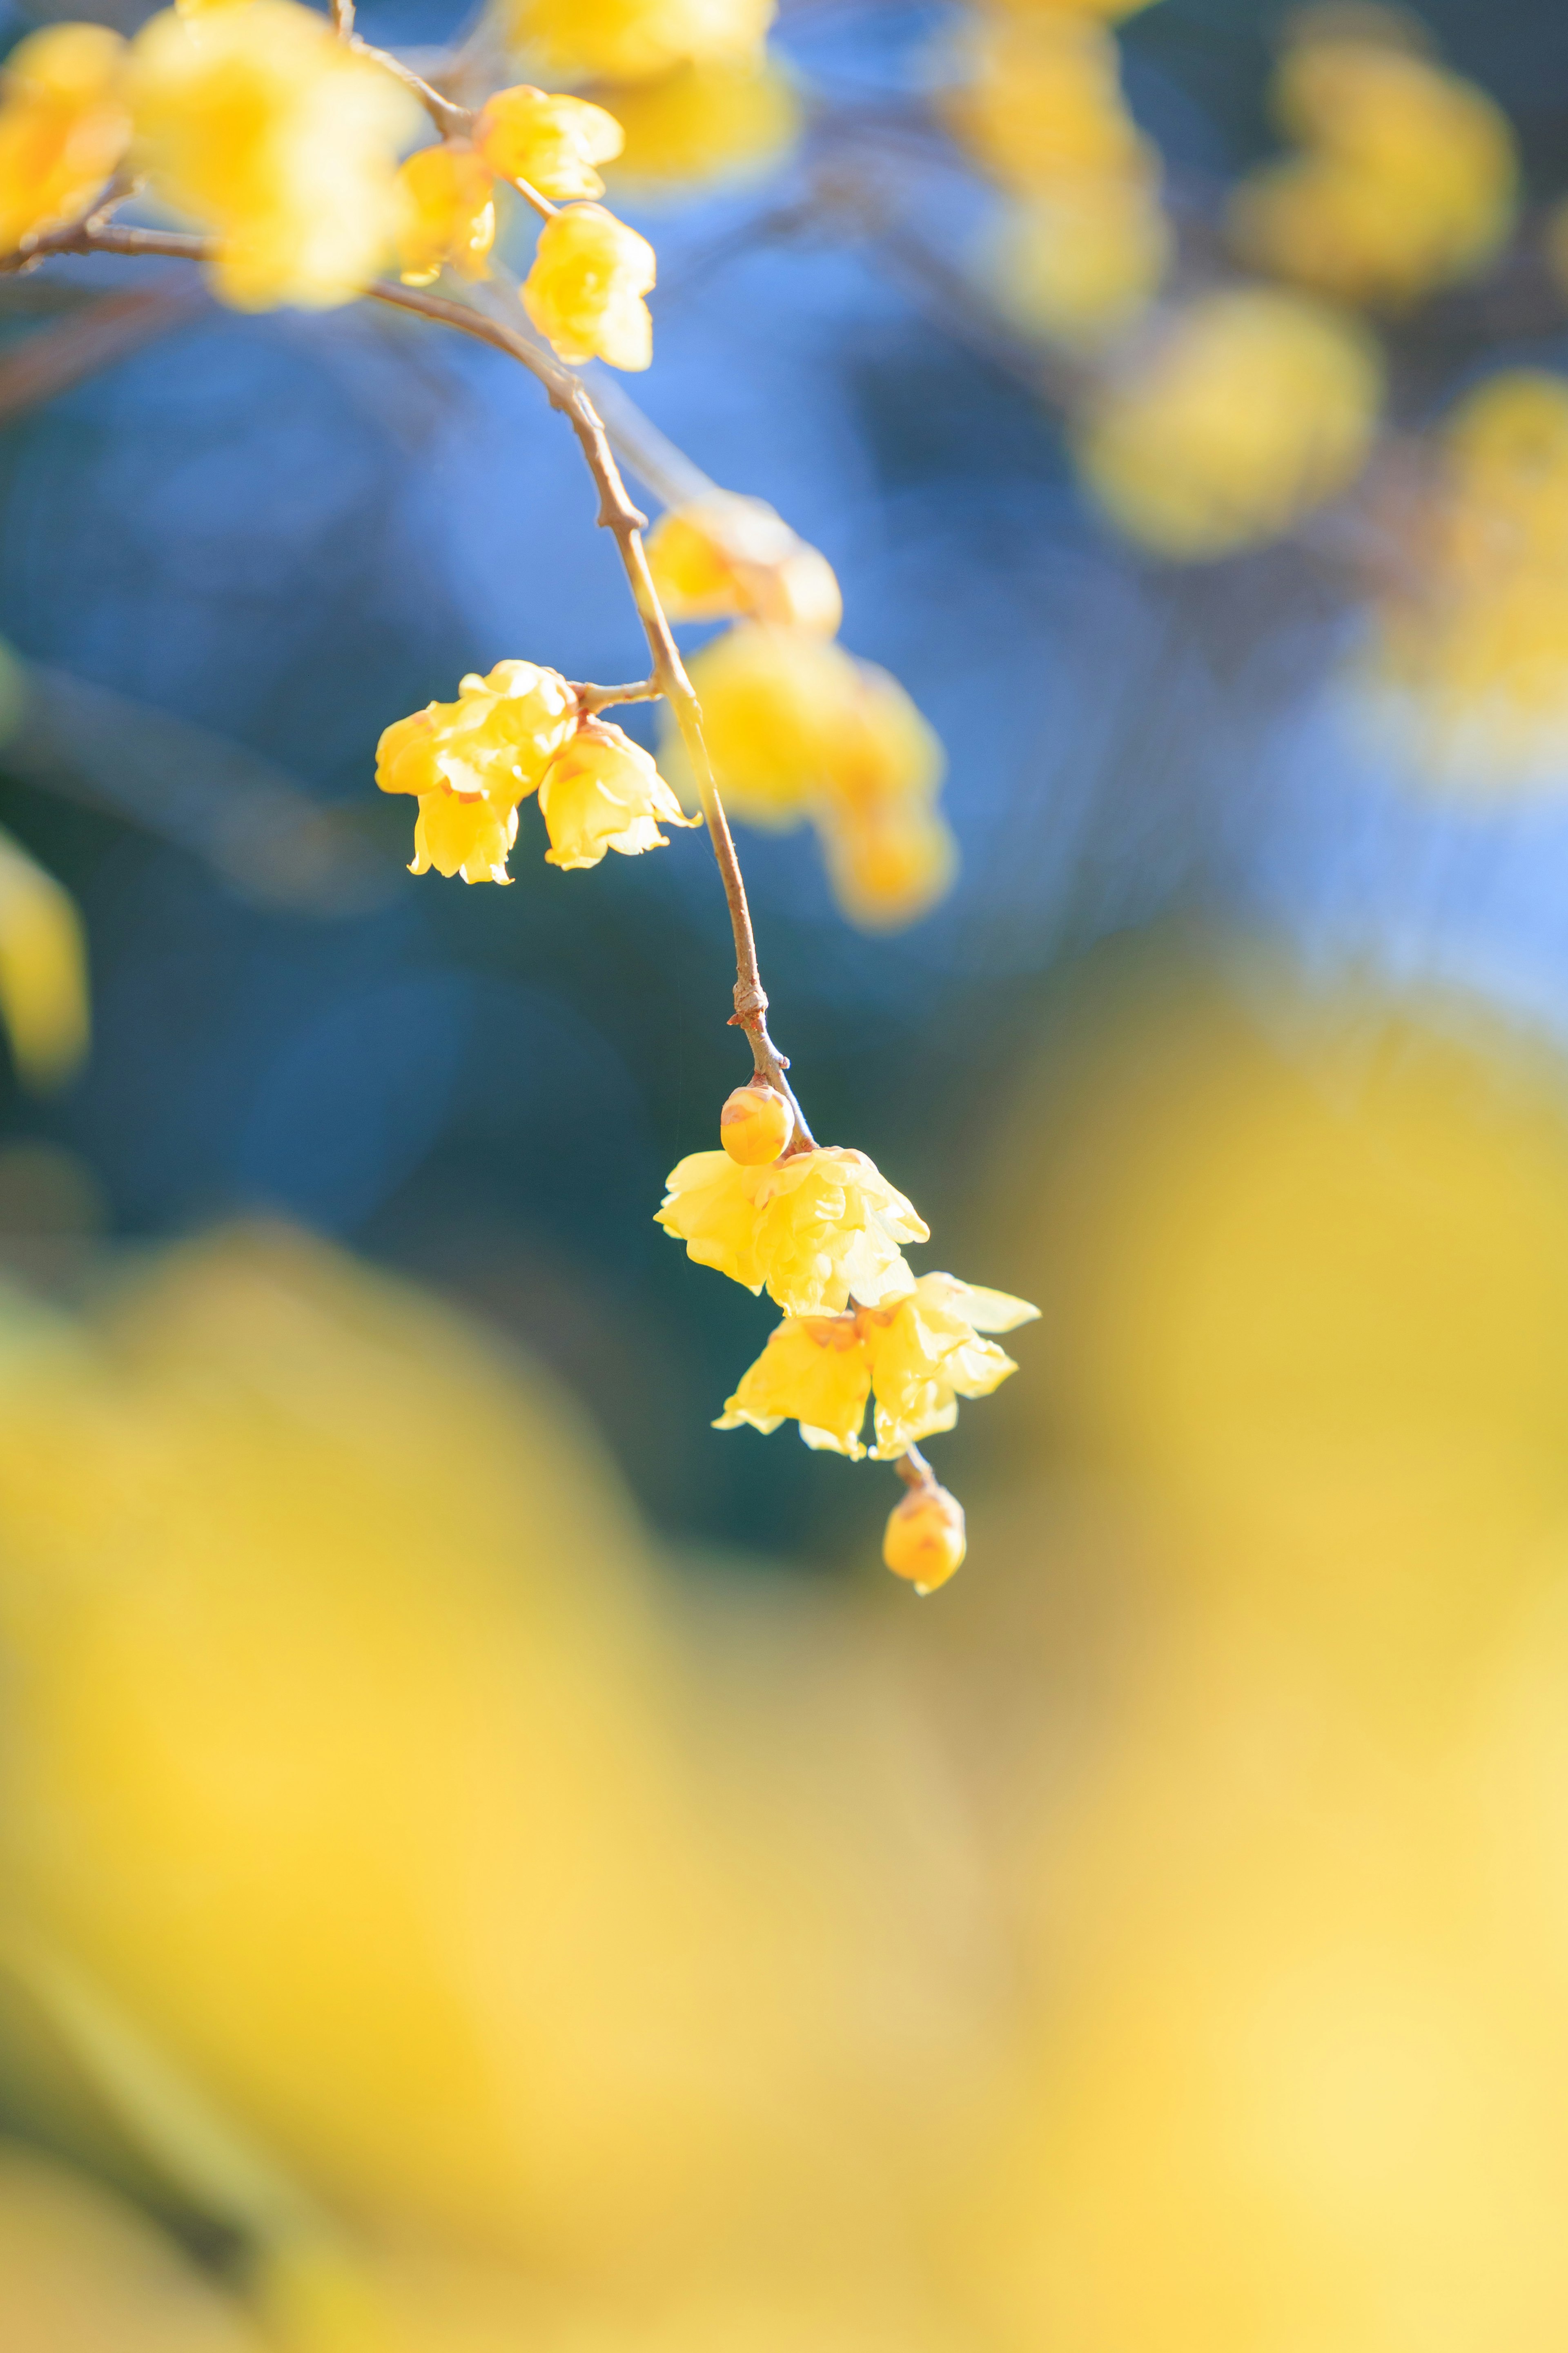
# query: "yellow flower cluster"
[[821, 1229], [690, 81], [1034, 95], [797, 728], [1252, 409], [1468, 658], [258, 124], [1408, 177], [64, 126], [518, 731]]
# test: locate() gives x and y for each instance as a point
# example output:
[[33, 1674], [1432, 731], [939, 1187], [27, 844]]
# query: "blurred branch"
[[108, 328]]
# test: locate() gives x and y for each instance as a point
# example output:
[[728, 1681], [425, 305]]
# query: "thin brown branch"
[[452, 120], [599, 698], [625, 522], [915, 1471]]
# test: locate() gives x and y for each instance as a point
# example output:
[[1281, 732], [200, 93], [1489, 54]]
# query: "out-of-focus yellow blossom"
[[1467, 663], [1251, 408], [1110, 12], [497, 738], [1037, 102], [1076, 264], [64, 126], [925, 1540], [879, 751], [551, 141], [726, 555], [756, 1124], [82, 2272], [463, 833], [449, 216], [43, 995], [585, 291], [819, 1227], [603, 792], [1409, 180], [815, 1370], [262, 127], [770, 698], [715, 123], [628, 41], [889, 864], [920, 1354]]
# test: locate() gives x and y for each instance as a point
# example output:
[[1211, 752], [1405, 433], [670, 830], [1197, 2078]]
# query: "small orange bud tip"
[[756, 1124], [925, 1540]]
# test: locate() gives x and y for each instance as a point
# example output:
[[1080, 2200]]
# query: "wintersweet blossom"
[[722, 556], [708, 122], [925, 1539], [603, 792], [585, 291], [548, 139], [463, 833], [497, 738], [626, 40], [815, 1370], [270, 133], [816, 1229], [449, 216], [64, 126], [889, 865]]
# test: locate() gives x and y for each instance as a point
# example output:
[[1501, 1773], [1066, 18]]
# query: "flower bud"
[[925, 1539], [756, 1124]]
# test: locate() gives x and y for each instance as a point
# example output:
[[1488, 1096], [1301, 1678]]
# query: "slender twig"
[[599, 698], [342, 14], [625, 522], [452, 120], [915, 1471]]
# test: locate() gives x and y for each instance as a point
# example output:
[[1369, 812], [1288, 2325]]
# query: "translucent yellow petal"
[[43, 970]]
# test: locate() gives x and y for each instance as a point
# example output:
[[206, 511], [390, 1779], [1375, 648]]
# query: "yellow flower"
[[263, 128], [720, 120], [817, 1227], [497, 738], [813, 1370], [585, 291], [770, 698], [1409, 180], [756, 1124], [463, 833], [722, 556], [926, 1353], [1076, 265], [64, 126], [552, 142], [925, 1540], [603, 792], [889, 866], [878, 749], [1253, 408], [626, 40], [448, 215], [1037, 100]]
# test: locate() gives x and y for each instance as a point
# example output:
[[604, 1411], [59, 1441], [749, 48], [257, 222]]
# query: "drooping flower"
[[816, 1229], [710, 122], [548, 139], [463, 833], [626, 40], [64, 126], [815, 1370], [925, 1539], [1077, 264], [259, 125], [926, 1353], [449, 216], [756, 1124], [723, 555], [889, 865], [603, 792], [497, 738], [585, 291]]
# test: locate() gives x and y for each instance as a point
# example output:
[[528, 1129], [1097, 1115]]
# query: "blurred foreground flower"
[[716, 122], [627, 40], [64, 126]]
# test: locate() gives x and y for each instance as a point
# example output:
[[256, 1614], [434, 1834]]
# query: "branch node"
[[750, 1004]]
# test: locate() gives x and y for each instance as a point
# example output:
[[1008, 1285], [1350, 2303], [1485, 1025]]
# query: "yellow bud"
[[756, 1124], [925, 1541], [553, 142]]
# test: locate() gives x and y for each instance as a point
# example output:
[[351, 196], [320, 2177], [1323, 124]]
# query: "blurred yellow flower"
[[550, 141], [770, 700], [259, 125], [1037, 100], [603, 792], [627, 40], [925, 1539], [1467, 664], [1250, 409], [724, 556], [817, 1227], [43, 994], [448, 215], [64, 126], [1409, 180], [889, 864], [815, 1370], [585, 291], [710, 123], [1078, 263], [497, 738]]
